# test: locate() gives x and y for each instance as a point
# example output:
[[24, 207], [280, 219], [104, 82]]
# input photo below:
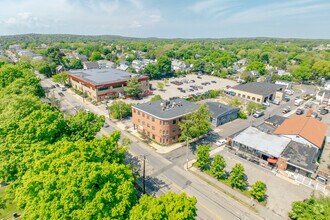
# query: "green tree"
[[302, 73], [160, 86], [203, 157], [257, 66], [133, 88], [237, 177], [322, 68], [218, 167], [76, 64], [164, 66], [235, 102], [82, 180], [168, 206], [155, 98], [313, 208], [120, 110], [258, 191], [195, 124], [252, 107], [60, 78], [84, 125], [95, 56], [152, 71]]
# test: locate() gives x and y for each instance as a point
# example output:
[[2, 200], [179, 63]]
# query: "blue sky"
[[169, 18]]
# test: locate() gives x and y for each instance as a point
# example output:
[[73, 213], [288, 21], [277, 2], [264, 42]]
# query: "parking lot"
[[276, 187], [190, 85]]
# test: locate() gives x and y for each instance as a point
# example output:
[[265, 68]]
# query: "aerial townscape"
[[140, 110]]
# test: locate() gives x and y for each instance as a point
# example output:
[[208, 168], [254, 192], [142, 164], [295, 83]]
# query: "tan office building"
[[259, 92], [159, 120], [100, 84]]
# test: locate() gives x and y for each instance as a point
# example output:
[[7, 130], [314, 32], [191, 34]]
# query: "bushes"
[[120, 110], [207, 95], [241, 115]]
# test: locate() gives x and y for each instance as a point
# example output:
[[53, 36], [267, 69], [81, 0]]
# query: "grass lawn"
[[10, 209]]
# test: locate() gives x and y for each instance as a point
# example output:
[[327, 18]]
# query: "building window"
[[117, 86], [153, 136], [173, 131], [166, 131], [253, 98], [173, 138], [239, 94], [148, 125], [243, 96], [153, 127], [139, 120], [138, 112], [143, 123], [248, 97], [174, 121], [258, 100], [134, 110], [153, 119], [148, 117], [102, 89], [142, 114]]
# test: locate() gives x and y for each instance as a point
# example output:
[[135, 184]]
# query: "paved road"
[[211, 203]]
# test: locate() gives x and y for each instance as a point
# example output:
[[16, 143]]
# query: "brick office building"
[[159, 119], [104, 83]]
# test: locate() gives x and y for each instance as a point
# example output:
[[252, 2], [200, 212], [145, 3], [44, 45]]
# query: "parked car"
[[324, 111], [258, 114], [57, 85], [286, 99], [286, 109], [213, 81], [61, 94], [199, 77], [297, 97], [300, 111], [276, 102], [192, 81], [308, 105], [52, 86], [307, 97], [220, 142], [106, 125], [266, 104], [321, 108], [315, 115]]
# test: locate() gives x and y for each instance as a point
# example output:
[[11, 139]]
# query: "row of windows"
[[247, 97], [148, 125], [143, 115]]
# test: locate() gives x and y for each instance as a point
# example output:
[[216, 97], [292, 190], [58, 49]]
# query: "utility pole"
[[144, 174], [187, 151]]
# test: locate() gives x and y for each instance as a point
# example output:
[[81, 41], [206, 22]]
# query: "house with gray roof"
[[90, 65], [221, 113]]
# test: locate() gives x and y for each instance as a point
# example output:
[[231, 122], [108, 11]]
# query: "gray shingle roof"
[[177, 108], [102, 76], [301, 155], [259, 88], [217, 109], [91, 65]]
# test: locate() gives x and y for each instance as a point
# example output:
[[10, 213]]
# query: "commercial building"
[[299, 158], [259, 92], [159, 120], [305, 130], [100, 84], [221, 113], [260, 144]]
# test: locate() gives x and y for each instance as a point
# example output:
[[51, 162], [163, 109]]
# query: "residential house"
[[123, 65], [90, 65], [178, 65], [106, 64], [323, 97], [159, 120], [285, 83]]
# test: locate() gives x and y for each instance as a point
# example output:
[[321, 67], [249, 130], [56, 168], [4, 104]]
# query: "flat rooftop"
[[259, 88], [102, 76], [275, 120], [167, 110], [270, 144], [301, 155]]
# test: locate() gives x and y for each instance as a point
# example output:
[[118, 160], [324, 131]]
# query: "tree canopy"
[[313, 208], [133, 87]]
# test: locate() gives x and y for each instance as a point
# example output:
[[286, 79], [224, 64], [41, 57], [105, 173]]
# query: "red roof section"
[[307, 127]]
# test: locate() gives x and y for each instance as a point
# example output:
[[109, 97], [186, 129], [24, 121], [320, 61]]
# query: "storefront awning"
[[272, 160]]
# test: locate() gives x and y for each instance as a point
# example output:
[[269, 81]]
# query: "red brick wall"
[[156, 129]]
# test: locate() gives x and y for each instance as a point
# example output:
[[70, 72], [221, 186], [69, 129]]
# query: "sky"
[[168, 18]]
